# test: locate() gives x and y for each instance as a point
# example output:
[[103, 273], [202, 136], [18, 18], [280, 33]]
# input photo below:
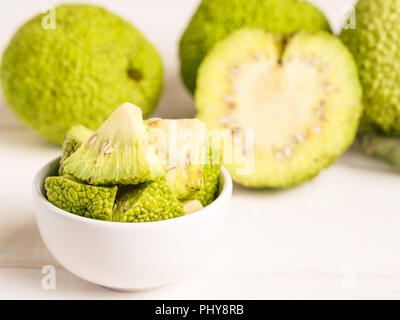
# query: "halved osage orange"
[[290, 105]]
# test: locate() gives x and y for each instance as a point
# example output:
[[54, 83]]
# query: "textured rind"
[[75, 137], [79, 72], [376, 47], [324, 149], [151, 201], [211, 172], [215, 19], [80, 199]]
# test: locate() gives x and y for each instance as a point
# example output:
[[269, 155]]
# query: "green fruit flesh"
[[151, 201], [191, 206], [179, 146], [75, 137], [216, 19], [84, 200], [117, 153], [374, 42], [78, 72], [288, 106]]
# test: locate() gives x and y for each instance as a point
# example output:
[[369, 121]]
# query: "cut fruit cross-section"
[[289, 105]]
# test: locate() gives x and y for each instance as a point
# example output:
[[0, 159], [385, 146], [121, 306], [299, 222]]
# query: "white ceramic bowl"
[[129, 256]]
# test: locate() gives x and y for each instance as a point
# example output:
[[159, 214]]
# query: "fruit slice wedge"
[[180, 148], [289, 106], [117, 153], [75, 137]]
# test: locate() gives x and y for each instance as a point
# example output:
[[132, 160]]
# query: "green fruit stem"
[[384, 148]]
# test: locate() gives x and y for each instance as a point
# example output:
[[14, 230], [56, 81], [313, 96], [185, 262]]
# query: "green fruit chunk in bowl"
[[117, 153]]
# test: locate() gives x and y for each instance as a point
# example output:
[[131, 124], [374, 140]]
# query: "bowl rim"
[[38, 183]]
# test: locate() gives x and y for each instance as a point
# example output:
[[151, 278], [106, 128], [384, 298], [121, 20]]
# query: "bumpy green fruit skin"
[[211, 172], [81, 199], [79, 72], [151, 201], [215, 19], [75, 137], [375, 45]]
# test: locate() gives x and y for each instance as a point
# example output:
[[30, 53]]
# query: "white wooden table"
[[335, 237]]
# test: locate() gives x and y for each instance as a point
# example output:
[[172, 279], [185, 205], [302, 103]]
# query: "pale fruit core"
[[283, 103]]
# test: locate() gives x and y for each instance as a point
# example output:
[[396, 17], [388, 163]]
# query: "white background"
[[334, 237]]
